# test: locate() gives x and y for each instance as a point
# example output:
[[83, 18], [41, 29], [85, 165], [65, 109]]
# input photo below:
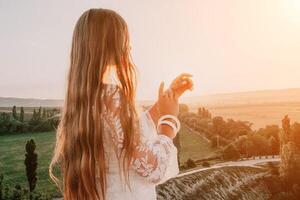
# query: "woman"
[[105, 150]]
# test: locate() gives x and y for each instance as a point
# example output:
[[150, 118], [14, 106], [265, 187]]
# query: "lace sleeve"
[[151, 155]]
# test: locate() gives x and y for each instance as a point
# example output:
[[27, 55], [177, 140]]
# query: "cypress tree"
[[22, 114], [14, 112], [31, 164], [40, 113], [44, 116], [1, 186], [34, 116]]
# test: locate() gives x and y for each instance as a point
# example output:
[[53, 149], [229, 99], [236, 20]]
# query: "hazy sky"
[[227, 45]]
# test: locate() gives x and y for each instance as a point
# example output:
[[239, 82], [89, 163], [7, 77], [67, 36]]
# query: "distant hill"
[[258, 107], [225, 99], [248, 97], [29, 102]]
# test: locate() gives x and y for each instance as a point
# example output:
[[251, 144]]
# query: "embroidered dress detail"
[[152, 155]]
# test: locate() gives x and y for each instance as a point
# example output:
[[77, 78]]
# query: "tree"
[[5, 122], [35, 120], [250, 148], [261, 144], [286, 127], [1, 186], [231, 153], [44, 115], [190, 163], [39, 114], [290, 155], [241, 145], [31, 164], [22, 114], [200, 111], [14, 112], [218, 126], [34, 115], [183, 108], [269, 131], [296, 133], [274, 145]]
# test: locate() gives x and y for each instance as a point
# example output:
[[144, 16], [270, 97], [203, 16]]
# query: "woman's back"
[[141, 186], [102, 144]]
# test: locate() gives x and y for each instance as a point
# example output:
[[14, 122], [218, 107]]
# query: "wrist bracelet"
[[171, 124], [162, 120]]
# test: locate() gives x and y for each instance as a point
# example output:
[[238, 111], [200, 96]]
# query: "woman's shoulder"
[[110, 77]]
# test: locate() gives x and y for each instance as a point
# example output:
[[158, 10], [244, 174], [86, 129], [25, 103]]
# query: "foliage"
[[223, 132], [40, 121], [1, 186], [22, 114], [204, 113], [31, 164], [290, 153], [183, 108], [205, 164], [19, 193], [273, 169], [190, 164], [14, 112], [231, 153]]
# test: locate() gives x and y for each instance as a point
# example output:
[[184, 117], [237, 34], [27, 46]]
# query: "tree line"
[[236, 138], [40, 120]]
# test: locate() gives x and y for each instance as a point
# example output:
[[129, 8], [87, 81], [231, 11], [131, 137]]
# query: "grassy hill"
[[12, 155], [193, 146]]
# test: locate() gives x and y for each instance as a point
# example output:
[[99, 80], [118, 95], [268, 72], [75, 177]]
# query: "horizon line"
[[184, 98]]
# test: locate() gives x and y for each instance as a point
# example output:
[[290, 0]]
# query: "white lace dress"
[[155, 162]]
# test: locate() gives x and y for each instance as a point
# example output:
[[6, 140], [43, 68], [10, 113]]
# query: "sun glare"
[[293, 9]]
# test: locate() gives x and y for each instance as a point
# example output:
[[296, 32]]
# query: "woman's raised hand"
[[167, 101], [182, 83]]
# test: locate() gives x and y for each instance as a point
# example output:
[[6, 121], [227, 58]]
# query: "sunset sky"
[[227, 45]]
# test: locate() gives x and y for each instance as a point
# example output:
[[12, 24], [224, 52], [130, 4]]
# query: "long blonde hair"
[[100, 38]]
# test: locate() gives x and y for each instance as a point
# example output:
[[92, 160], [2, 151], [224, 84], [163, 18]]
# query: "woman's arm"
[[151, 157], [155, 115], [179, 85]]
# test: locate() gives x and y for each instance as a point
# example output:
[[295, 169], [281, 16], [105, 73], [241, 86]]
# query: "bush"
[[205, 164], [190, 164], [273, 169], [231, 153]]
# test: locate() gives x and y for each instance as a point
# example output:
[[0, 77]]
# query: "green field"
[[12, 155], [193, 146]]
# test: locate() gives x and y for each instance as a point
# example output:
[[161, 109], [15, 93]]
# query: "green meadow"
[[194, 146], [12, 155]]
